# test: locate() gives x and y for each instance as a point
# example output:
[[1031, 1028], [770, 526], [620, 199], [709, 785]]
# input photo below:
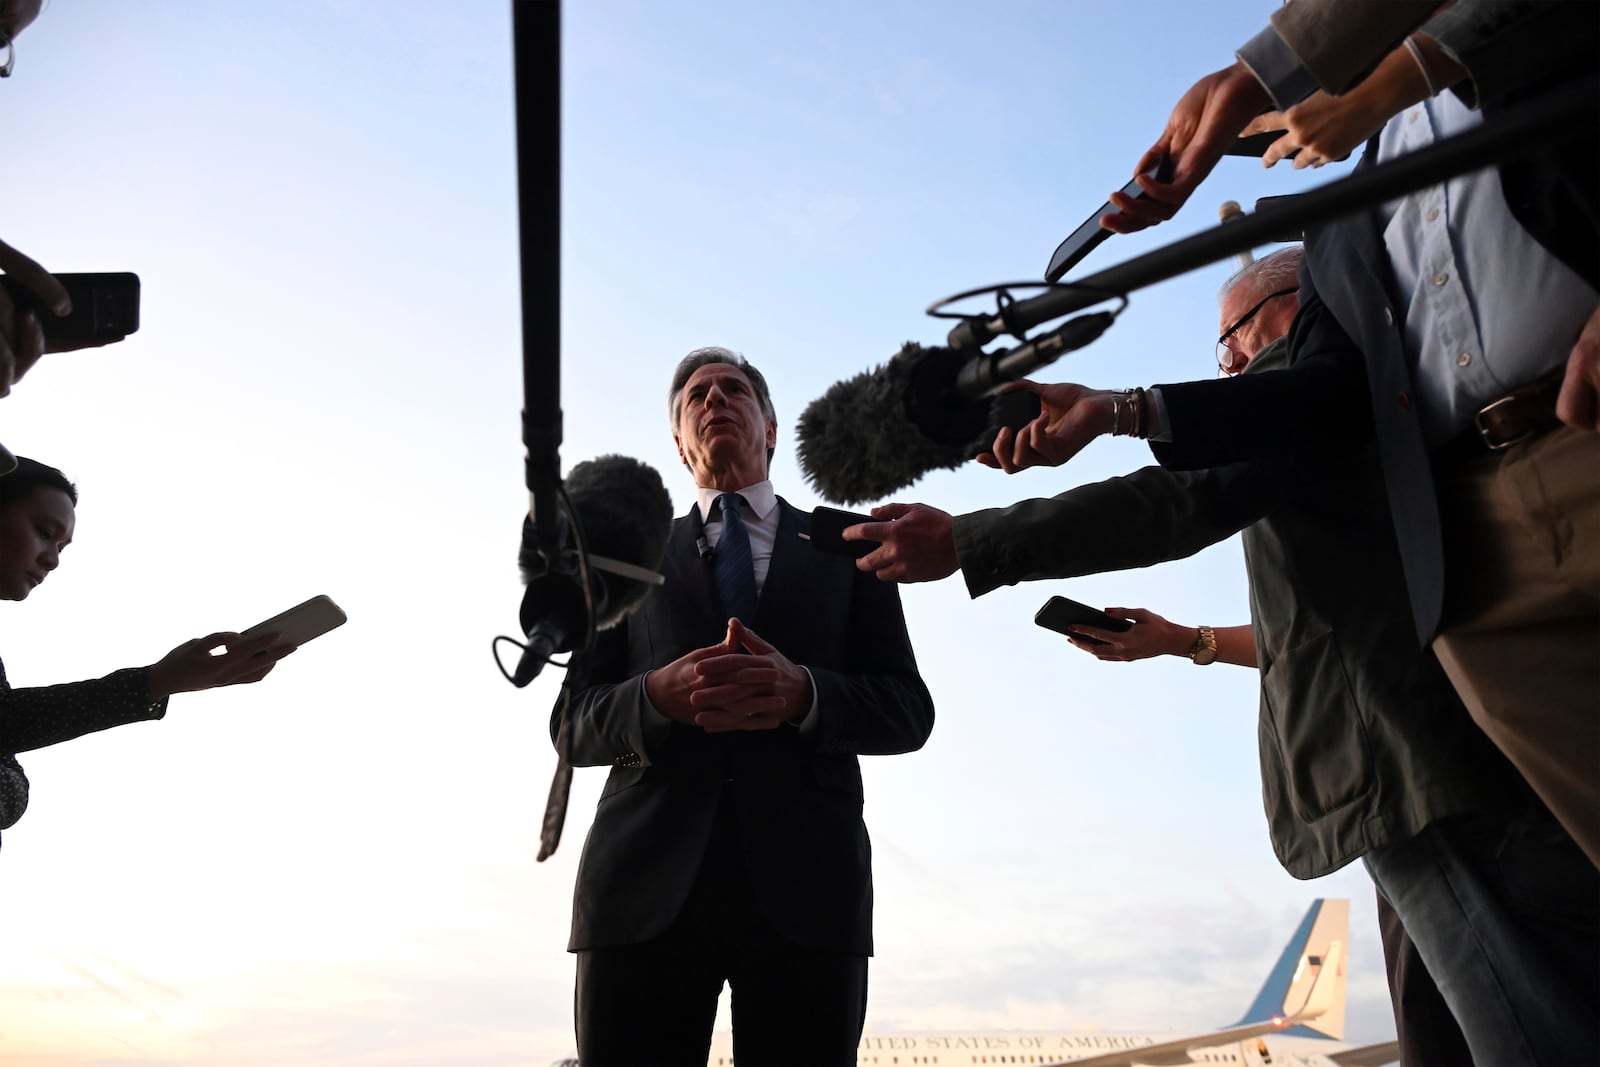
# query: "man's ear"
[[772, 433], [678, 441]]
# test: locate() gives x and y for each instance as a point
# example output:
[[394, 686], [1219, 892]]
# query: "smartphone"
[[827, 532], [1061, 615], [300, 623], [1087, 238], [1256, 145], [105, 307]]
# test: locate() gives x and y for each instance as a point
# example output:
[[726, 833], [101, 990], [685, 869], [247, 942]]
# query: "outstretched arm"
[[35, 717], [1310, 43], [1152, 636], [1324, 128]]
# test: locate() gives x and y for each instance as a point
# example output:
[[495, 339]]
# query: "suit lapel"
[[689, 572], [790, 568], [1346, 259], [1349, 266]]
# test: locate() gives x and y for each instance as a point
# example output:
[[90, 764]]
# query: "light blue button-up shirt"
[[1487, 308]]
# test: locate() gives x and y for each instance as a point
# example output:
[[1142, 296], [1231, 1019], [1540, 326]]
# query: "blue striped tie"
[[735, 572]]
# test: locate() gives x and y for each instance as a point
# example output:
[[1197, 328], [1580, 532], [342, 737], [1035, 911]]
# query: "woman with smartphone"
[[37, 518]]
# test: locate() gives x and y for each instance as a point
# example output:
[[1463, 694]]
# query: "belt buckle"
[[1485, 432]]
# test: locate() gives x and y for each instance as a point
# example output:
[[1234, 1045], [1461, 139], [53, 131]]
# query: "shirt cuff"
[[653, 726], [808, 725], [1160, 405], [1277, 68]]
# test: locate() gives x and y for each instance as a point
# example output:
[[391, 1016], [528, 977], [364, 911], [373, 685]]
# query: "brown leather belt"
[[1521, 414]]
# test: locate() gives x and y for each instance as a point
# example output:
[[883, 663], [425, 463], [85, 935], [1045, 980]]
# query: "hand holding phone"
[[1061, 615], [1087, 237], [301, 623], [827, 532], [105, 308]]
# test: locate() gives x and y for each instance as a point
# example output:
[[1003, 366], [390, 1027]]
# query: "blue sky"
[[336, 866]]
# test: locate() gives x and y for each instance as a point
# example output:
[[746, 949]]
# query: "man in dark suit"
[[728, 845]]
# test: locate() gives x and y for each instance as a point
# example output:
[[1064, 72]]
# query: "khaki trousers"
[[1520, 636]]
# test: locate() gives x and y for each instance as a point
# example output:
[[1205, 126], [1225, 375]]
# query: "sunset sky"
[[335, 867]]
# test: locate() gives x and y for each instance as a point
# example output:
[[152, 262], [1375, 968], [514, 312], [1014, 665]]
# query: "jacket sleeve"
[[609, 719], [877, 703], [1147, 517], [1327, 43], [1510, 45], [1316, 407]]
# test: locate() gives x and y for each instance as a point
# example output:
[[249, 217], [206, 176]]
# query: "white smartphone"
[[302, 622]]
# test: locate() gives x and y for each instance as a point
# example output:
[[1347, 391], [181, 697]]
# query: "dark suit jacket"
[[1362, 740], [797, 794]]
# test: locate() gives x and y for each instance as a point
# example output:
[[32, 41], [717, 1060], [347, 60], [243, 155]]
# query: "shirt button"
[[1433, 213], [1463, 359], [1415, 115], [1440, 278]]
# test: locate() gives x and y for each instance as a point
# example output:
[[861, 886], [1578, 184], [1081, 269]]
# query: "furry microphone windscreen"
[[626, 515], [858, 442]]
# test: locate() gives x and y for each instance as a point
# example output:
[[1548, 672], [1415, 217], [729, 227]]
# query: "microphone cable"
[[555, 808], [584, 576]]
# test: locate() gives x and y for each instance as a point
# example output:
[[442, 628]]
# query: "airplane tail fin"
[[1292, 988]]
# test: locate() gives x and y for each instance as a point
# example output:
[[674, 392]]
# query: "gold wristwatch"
[[1205, 647]]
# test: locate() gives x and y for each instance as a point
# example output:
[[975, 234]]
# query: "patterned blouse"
[[47, 715]]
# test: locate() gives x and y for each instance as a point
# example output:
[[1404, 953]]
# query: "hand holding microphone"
[[1070, 417]]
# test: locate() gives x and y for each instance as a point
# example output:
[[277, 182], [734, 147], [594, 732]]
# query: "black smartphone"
[[827, 532], [105, 307], [1256, 145], [301, 623], [1087, 238], [1061, 615]]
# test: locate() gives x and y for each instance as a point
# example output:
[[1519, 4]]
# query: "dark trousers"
[[1428, 1034], [656, 1002], [1505, 912]]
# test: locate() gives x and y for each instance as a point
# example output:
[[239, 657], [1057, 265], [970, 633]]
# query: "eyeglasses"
[[1226, 356], [10, 59]]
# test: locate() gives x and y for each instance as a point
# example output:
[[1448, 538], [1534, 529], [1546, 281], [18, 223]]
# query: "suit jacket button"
[[1388, 317]]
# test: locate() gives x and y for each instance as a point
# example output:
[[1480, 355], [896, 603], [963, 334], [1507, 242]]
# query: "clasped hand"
[[740, 683]]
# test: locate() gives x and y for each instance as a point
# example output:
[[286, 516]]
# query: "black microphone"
[[622, 510], [926, 409]]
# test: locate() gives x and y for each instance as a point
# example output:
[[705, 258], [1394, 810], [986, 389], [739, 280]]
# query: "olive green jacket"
[[1362, 740]]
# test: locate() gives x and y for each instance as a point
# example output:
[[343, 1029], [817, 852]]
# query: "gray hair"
[[702, 357], [1277, 270]]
